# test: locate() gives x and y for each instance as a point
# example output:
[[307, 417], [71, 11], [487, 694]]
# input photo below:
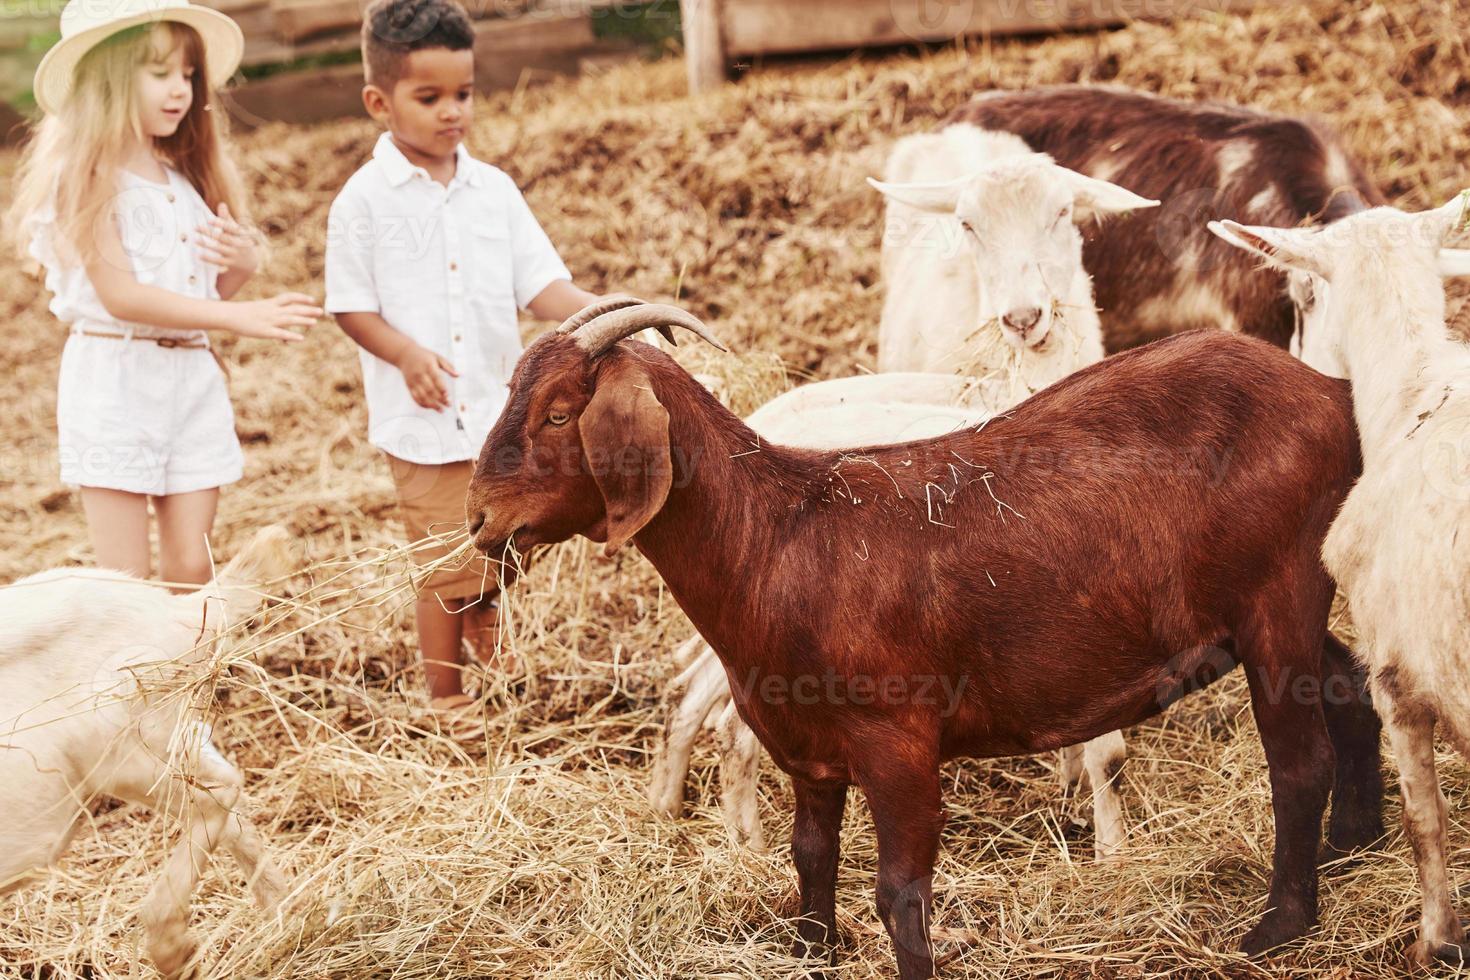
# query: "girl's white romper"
[[132, 414]]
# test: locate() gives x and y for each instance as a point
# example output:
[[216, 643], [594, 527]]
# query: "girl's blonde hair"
[[72, 162]]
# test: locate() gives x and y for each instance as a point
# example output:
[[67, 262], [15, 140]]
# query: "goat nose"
[[476, 522], [1022, 320]]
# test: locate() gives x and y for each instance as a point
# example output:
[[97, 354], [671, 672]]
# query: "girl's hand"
[[226, 243], [422, 369], [269, 318]]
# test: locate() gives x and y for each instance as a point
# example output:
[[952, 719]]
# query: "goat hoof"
[[1353, 837], [1455, 954], [1432, 955], [1272, 931], [814, 949]]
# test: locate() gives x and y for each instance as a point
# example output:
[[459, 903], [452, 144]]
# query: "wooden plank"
[[504, 52], [269, 51], [297, 19], [704, 45], [534, 32], [754, 27], [537, 31], [235, 7], [296, 97]]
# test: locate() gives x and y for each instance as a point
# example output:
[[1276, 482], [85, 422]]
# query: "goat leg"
[[706, 687], [908, 816], [264, 878], [740, 758], [1104, 757], [1411, 734], [1299, 758], [1070, 772], [1356, 820], [206, 804], [815, 848]]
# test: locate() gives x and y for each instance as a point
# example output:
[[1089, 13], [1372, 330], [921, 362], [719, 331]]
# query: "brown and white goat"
[[1062, 572], [79, 720], [1395, 545], [1157, 272]]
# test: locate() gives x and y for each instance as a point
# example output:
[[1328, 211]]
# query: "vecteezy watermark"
[[1199, 666], [831, 688], [1445, 451]]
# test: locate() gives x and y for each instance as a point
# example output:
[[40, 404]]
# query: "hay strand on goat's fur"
[[532, 851]]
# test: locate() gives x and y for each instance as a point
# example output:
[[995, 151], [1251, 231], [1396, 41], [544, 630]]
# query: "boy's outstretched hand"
[[423, 372]]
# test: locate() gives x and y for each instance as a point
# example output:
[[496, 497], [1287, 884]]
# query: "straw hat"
[[86, 23]]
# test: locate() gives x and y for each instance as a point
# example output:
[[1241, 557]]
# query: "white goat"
[[981, 230], [1394, 548], [83, 655]]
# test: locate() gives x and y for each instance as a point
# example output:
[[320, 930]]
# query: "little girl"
[[127, 198]]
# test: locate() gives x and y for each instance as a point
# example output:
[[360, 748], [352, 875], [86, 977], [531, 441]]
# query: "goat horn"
[[594, 310], [625, 320]]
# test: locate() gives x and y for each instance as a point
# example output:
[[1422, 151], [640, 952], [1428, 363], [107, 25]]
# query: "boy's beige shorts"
[[431, 501]]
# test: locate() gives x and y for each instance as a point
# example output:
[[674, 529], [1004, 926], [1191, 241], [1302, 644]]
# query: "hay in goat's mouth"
[[531, 851]]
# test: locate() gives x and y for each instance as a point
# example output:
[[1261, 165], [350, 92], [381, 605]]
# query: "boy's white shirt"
[[448, 267]]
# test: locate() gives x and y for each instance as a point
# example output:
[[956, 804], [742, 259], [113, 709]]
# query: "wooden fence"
[[718, 33], [517, 37]]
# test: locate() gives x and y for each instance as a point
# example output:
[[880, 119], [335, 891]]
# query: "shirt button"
[[458, 337], [453, 266], [170, 199], [183, 238], [462, 407], [191, 280]]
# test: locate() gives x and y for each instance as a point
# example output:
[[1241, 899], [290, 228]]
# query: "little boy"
[[429, 253]]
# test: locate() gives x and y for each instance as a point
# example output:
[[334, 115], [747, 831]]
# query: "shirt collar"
[[399, 170]]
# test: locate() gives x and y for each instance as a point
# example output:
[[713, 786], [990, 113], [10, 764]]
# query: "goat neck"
[[732, 494], [1397, 349]]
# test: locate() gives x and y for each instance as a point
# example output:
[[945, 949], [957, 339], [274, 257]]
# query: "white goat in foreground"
[[84, 654], [1016, 215], [982, 231], [1394, 548]]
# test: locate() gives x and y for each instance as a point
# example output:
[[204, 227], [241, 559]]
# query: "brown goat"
[[1158, 271], [1060, 572]]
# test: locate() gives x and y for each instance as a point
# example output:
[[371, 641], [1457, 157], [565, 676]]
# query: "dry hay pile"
[[532, 853]]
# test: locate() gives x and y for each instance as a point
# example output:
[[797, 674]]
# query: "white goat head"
[[1352, 246], [1019, 217]]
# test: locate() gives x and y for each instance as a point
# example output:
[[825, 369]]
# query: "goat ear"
[[1284, 248], [1446, 219], [625, 441], [937, 198], [1093, 198], [1454, 262]]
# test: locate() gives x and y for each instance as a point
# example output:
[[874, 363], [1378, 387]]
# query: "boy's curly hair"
[[391, 29]]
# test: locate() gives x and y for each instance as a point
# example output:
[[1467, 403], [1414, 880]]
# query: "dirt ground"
[[533, 852]]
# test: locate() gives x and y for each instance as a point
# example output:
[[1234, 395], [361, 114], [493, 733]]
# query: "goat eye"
[[558, 418]]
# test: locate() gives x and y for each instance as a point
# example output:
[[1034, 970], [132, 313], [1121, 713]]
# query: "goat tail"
[[234, 592]]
